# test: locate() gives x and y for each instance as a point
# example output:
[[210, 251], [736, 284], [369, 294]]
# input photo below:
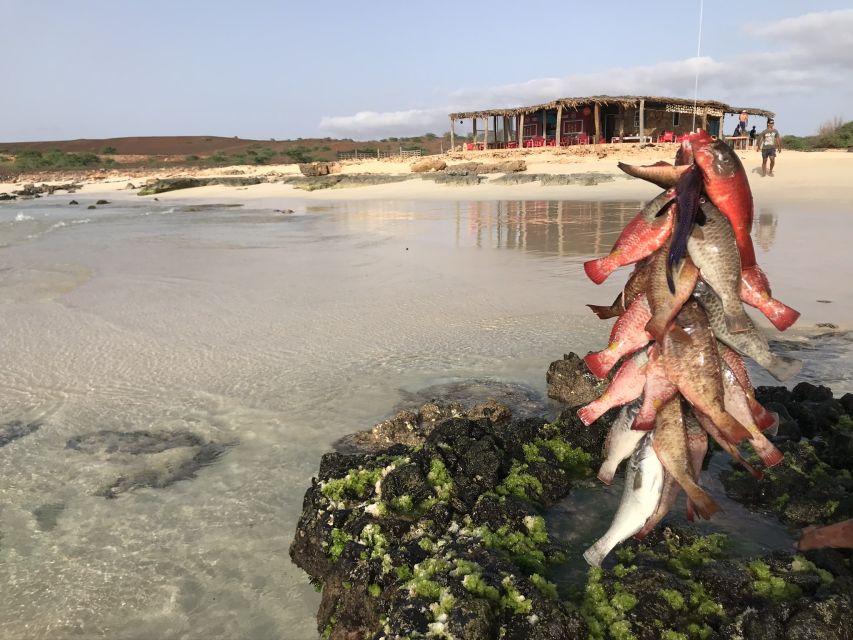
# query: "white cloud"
[[812, 52]]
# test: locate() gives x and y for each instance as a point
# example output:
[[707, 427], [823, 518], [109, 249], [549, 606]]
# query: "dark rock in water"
[[173, 184], [16, 429], [102, 202], [132, 442], [91, 206], [7, 196], [72, 202], [571, 382], [161, 477], [47, 515], [154, 459]]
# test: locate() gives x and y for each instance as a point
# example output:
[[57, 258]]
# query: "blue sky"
[[373, 69]]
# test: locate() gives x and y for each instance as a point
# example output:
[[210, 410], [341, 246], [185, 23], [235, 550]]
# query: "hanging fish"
[[627, 336], [620, 442], [640, 497]]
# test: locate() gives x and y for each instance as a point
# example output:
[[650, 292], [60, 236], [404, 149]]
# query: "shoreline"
[[819, 179]]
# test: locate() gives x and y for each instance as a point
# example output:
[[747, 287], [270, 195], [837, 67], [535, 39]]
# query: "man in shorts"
[[770, 143]]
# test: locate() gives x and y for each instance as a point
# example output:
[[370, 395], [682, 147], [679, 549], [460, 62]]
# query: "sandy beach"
[[818, 178]]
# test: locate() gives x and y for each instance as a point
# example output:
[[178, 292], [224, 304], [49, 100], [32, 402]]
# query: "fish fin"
[[606, 473], [596, 553], [780, 315], [588, 414], [738, 323], [783, 368], [771, 428], [600, 363], [678, 333], [597, 270], [769, 454], [704, 504], [606, 313]]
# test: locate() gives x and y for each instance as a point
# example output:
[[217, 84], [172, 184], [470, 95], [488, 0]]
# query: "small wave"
[[22, 217]]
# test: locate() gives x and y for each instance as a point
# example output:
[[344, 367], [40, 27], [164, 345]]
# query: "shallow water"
[[278, 334]]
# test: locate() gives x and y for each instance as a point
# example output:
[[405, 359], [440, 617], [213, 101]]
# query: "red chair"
[[681, 138], [512, 144], [667, 136], [583, 138]]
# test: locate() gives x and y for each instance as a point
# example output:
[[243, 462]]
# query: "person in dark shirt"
[[752, 136], [770, 143]]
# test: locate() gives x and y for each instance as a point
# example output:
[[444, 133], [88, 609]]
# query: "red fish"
[[626, 385], [635, 286], [644, 234], [628, 335], [657, 391]]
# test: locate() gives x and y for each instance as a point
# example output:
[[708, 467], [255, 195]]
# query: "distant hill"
[[197, 150]]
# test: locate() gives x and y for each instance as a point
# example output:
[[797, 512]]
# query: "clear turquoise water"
[[281, 332]]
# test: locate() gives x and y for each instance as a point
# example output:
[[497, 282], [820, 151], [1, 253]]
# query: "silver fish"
[[643, 487], [750, 343], [621, 441]]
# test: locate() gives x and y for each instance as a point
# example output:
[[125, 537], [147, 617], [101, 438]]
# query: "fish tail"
[[780, 315], [738, 322], [590, 413], [769, 454], [601, 362], [733, 430], [603, 312], [606, 472], [782, 367], [597, 552], [704, 504], [597, 270]]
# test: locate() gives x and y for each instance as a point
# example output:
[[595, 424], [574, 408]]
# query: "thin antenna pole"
[[698, 51]]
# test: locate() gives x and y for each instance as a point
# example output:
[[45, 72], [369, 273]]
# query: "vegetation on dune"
[[36, 161], [833, 134]]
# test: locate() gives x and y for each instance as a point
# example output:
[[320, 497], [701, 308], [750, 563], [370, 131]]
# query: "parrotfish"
[[640, 498], [693, 364], [636, 285], [767, 421], [688, 192], [657, 391], [627, 336], [670, 444], [626, 385], [749, 342], [664, 302], [838, 535], [712, 248], [644, 234]]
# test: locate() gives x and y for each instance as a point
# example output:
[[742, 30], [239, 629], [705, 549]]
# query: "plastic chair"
[[583, 138], [667, 136]]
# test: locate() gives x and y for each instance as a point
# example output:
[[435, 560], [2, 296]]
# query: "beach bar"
[[595, 120]]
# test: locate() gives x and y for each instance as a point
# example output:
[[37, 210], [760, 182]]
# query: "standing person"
[[742, 122], [752, 135], [769, 141]]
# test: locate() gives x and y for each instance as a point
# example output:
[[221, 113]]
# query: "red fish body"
[[626, 385], [644, 234], [628, 335]]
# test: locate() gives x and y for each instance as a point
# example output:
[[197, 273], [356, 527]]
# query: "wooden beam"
[[597, 112], [559, 123]]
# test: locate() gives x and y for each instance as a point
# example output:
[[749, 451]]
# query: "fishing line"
[[698, 50]]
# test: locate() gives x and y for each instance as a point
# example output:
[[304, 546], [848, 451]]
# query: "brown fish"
[[668, 496], [663, 303], [670, 444], [693, 364], [657, 391], [749, 342], [713, 431], [767, 421], [660, 173], [712, 248], [636, 285], [697, 447]]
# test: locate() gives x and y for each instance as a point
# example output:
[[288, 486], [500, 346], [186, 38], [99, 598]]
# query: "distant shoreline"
[[817, 179]]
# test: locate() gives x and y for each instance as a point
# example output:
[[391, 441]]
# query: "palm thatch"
[[622, 101]]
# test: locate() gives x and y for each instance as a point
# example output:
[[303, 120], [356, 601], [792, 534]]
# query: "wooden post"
[[642, 119], [597, 111], [705, 117], [452, 132], [559, 124], [485, 132], [520, 131]]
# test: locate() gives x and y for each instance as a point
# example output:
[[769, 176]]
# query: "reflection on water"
[[280, 334], [548, 227]]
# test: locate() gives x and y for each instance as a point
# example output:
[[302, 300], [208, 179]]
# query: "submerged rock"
[[16, 429], [154, 459]]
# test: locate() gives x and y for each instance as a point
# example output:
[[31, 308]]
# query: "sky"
[[373, 69]]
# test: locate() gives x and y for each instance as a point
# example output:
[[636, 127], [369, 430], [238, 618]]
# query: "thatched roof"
[[623, 101]]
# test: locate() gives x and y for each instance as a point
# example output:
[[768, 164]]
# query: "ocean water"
[[274, 334]]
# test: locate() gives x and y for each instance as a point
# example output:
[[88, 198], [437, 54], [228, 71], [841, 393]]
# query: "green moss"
[[625, 555], [374, 590], [354, 485], [845, 422], [474, 583], [701, 602], [574, 460], [673, 598], [523, 548], [621, 630], [547, 588], [532, 453], [605, 617], [403, 504], [339, 540], [439, 478], [513, 599], [669, 634], [624, 601], [620, 570], [422, 583], [520, 484], [800, 564], [781, 502], [771, 586], [404, 572], [372, 537], [699, 631], [684, 558]]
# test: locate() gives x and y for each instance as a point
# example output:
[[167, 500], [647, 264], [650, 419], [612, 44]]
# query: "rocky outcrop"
[[315, 169], [478, 168], [161, 185], [429, 164], [571, 382], [590, 178], [11, 431]]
